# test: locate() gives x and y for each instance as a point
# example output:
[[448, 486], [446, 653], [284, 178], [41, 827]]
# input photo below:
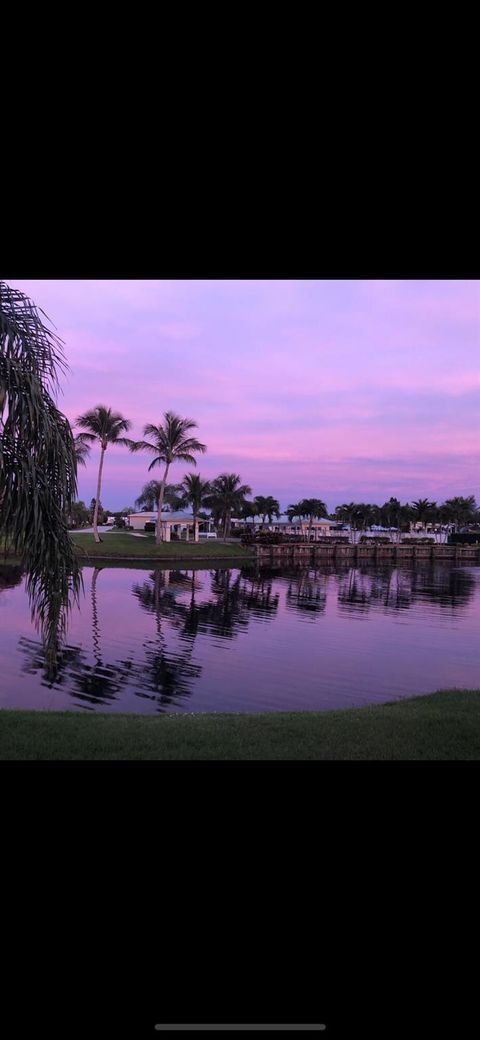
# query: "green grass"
[[443, 725], [122, 545]]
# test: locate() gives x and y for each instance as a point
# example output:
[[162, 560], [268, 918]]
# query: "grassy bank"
[[122, 545], [443, 725]]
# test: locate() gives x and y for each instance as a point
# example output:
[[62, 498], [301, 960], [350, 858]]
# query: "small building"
[[137, 521], [181, 525]]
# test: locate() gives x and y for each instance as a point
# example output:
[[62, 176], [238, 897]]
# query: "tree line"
[[171, 442], [458, 512]]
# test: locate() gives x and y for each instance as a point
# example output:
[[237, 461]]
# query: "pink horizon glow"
[[342, 390]]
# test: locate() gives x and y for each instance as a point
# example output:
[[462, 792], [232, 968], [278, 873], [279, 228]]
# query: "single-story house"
[[320, 527], [181, 524]]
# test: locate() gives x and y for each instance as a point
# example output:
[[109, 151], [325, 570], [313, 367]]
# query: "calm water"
[[239, 640]]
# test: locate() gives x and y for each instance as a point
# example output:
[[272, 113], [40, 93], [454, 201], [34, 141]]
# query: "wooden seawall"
[[367, 553]]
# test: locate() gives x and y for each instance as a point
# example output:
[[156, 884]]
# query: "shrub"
[[467, 538], [375, 539]]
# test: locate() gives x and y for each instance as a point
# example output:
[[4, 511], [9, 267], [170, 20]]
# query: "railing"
[[311, 550]]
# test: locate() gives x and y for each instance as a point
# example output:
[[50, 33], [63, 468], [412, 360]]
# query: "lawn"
[[443, 725], [123, 545]]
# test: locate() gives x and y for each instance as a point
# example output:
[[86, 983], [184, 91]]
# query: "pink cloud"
[[298, 384]]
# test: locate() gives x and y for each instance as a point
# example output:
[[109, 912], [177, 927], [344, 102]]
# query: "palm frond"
[[37, 463], [156, 462], [142, 446]]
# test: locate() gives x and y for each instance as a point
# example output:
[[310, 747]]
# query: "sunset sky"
[[341, 390]]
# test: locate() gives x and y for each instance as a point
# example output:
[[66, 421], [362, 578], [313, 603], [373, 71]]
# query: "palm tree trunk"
[[97, 500], [226, 529], [158, 531], [195, 529]]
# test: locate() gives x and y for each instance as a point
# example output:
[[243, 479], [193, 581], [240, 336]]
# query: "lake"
[[286, 638]]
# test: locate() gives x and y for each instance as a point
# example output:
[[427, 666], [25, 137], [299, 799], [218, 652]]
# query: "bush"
[[119, 521], [468, 538], [375, 539]]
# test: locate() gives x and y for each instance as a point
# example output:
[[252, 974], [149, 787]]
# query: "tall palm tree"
[[228, 496], [170, 443], [196, 492], [105, 426], [38, 469]]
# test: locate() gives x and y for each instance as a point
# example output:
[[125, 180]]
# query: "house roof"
[[171, 517]]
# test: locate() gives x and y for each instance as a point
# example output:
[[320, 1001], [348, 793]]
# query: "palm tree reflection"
[[192, 614], [307, 591], [167, 675], [399, 588]]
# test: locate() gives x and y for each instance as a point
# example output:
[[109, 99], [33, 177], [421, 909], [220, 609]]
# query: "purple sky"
[[342, 390]]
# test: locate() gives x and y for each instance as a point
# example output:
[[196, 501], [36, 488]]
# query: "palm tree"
[[461, 510], [250, 509], [293, 510], [196, 492], [148, 497], [261, 503], [267, 506], [273, 508], [228, 496], [38, 467], [170, 443], [390, 512], [313, 508], [82, 449], [105, 426], [422, 510], [348, 512]]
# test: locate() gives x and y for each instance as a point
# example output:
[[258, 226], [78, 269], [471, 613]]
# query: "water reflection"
[[234, 596], [91, 685], [400, 588], [160, 673], [153, 641], [307, 591]]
